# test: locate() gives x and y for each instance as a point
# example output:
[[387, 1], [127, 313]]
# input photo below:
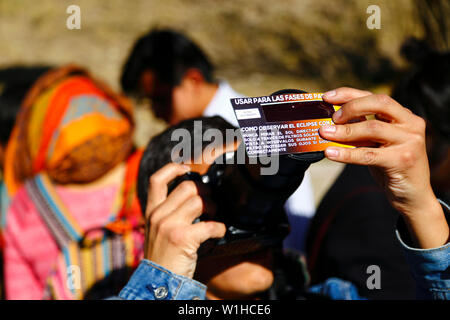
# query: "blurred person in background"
[[14, 84], [352, 227], [70, 168], [177, 77], [15, 81]]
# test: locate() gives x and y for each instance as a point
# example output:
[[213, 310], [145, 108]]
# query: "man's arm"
[[172, 240]]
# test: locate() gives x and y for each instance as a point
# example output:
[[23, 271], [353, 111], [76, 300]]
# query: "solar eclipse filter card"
[[284, 124]]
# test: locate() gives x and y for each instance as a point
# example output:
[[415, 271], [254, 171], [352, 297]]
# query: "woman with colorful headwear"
[[70, 168]]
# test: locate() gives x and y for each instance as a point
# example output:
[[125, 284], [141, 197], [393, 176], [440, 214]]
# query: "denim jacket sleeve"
[[153, 282], [337, 289], [429, 267]]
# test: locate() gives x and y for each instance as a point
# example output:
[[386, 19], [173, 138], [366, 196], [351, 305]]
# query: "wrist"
[[177, 263], [427, 223], [420, 204]]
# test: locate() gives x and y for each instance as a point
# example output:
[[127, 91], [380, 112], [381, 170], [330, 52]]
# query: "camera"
[[251, 205]]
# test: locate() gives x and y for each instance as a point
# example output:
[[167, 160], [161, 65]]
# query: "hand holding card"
[[399, 163]]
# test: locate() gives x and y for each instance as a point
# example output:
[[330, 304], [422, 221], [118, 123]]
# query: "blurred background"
[[258, 46]]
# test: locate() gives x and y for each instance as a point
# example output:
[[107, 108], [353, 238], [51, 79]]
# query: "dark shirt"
[[354, 228]]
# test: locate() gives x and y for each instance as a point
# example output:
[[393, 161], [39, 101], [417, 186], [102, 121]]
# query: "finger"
[[157, 191], [183, 192], [205, 230], [376, 104], [370, 130], [185, 214], [343, 95], [193, 208], [361, 156]]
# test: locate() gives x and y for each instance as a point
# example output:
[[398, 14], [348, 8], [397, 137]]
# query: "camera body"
[[251, 205]]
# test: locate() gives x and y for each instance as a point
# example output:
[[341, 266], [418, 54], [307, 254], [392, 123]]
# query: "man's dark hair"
[[167, 53], [14, 84], [159, 150], [425, 88]]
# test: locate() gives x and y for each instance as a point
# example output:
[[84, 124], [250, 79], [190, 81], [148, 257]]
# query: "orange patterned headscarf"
[[70, 125]]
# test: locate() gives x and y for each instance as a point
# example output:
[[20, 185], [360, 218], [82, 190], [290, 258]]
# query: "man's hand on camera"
[[172, 240], [399, 163]]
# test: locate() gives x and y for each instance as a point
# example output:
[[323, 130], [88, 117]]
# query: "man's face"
[[159, 94], [170, 103], [238, 276]]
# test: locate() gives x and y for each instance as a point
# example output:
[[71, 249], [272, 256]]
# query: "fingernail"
[[329, 94], [332, 152], [329, 129], [187, 168], [337, 114]]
